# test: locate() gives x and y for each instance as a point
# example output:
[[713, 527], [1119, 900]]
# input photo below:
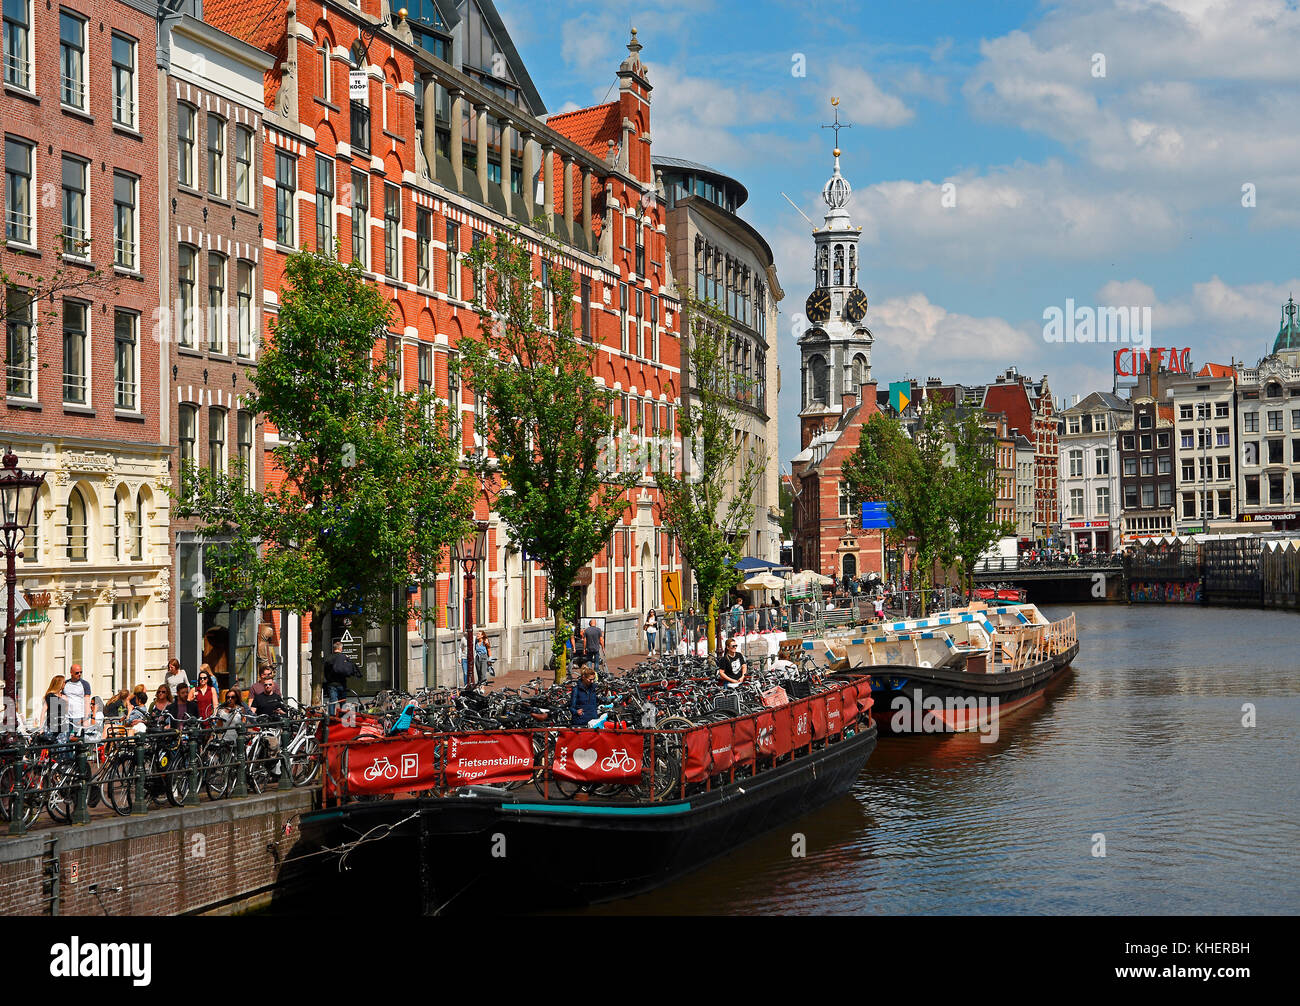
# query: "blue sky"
[[1115, 188]]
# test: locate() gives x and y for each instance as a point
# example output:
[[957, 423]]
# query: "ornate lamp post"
[[19, 492], [910, 541], [470, 552]]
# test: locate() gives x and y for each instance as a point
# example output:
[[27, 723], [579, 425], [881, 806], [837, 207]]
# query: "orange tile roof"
[[253, 21], [592, 129], [1217, 370]]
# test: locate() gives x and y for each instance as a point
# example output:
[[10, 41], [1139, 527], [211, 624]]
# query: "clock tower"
[[835, 347]]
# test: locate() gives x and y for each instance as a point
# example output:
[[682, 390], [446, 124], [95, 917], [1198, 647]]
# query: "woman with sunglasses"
[[205, 695]]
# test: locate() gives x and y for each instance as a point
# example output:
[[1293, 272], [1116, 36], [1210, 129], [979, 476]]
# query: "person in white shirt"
[[76, 690]]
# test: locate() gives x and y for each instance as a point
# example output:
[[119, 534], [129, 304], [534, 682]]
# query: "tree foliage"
[[373, 491], [710, 506], [938, 479], [545, 418]]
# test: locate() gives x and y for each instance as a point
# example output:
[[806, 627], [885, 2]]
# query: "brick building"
[[83, 373], [210, 139], [443, 145]]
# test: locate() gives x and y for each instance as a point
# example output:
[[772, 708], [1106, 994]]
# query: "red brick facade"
[[825, 538]]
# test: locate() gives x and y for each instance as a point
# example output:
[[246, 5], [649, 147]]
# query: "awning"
[[749, 564]]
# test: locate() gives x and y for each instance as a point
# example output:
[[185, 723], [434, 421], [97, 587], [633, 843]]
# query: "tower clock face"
[[856, 306], [818, 307]]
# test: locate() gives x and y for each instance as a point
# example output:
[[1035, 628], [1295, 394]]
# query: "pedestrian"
[[594, 638], [751, 619], [266, 683], [878, 605], [585, 701], [483, 658], [159, 711], [232, 713], [137, 716], [670, 632], [205, 695], [54, 710], [93, 725], [737, 613], [118, 705], [184, 708], [175, 674], [76, 689], [338, 668], [651, 628], [462, 656]]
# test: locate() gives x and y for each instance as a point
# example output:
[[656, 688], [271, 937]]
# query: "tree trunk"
[[318, 617], [713, 624], [561, 657]]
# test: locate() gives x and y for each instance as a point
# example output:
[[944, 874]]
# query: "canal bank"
[[223, 857]]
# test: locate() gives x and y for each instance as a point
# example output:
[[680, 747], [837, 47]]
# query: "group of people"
[[70, 709], [484, 662]]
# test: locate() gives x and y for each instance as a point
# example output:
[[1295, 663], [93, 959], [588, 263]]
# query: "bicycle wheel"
[[177, 785], [259, 772], [675, 723], [61, 792], [33, 798], [662, 781], [304, 763], [218, 775], [119, 785]]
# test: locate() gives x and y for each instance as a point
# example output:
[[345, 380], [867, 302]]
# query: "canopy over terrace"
[[750, 564]]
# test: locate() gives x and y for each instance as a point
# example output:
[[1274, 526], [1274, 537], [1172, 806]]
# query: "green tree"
[[372, 491], [971, 491], [709, 507], [546, 420], [907, 471]]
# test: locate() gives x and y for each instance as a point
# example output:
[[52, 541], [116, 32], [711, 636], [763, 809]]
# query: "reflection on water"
[[1142, 743]]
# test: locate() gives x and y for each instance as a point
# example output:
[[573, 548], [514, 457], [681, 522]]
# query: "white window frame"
[[30, 214], [186, 321], [186, 149], [135, 363], [245, 193], [246, 309], [20, 64], [75, 245], [119, 245], [217, 317], [216, 156], [75, 85], [130, 118], [86, 355]]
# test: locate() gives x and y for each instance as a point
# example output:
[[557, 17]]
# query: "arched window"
[[823, 274], [138, 544], [839, 266], [853, 265], [850, 565], [859, 370], [77, 526], [819, 373]]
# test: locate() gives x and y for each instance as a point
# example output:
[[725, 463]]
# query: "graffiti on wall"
[[1165, 591]]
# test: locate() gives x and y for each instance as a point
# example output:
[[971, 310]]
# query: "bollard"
[[192, 755], [17, 812], [82, 813], [241, 773], [140, 804]]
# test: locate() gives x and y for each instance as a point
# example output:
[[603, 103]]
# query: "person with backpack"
[[338, 668], [651, 627]]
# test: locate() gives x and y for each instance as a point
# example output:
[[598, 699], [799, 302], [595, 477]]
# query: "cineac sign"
[[1131, 362]]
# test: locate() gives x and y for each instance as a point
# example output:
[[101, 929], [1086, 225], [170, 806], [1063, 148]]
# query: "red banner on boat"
[[800, 724], [598, 755], [817, 713], [395, 766], [720, 747], [834, 713], [782, 727], [502, 756], [766, 739], [697, 754], [743, 735]]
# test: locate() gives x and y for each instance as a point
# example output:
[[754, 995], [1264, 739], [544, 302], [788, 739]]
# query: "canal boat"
[[427, 823], [956, 670]]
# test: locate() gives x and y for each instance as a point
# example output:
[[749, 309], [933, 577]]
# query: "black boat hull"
[[901, 694], [477, 852]]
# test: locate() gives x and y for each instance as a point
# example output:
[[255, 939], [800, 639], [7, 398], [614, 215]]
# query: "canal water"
[[1140, 753]]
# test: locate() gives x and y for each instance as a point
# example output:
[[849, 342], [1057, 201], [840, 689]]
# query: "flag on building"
[[900, 393]]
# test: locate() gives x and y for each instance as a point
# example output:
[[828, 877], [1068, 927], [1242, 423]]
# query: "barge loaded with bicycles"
[[433, 820], [956, 670]]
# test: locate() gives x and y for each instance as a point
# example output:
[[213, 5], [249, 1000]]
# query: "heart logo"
[[584, 758]]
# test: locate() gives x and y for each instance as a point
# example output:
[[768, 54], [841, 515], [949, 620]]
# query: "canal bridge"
[[1099, 578]]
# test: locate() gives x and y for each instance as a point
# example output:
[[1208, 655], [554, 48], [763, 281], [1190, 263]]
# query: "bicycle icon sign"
[[380, 767], [618, 760]]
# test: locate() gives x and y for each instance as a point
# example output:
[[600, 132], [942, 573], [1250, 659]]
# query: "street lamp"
[[470, 550], [19, 492]]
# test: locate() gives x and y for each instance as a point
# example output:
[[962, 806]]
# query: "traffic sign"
[[20, 605], [672, 591]]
